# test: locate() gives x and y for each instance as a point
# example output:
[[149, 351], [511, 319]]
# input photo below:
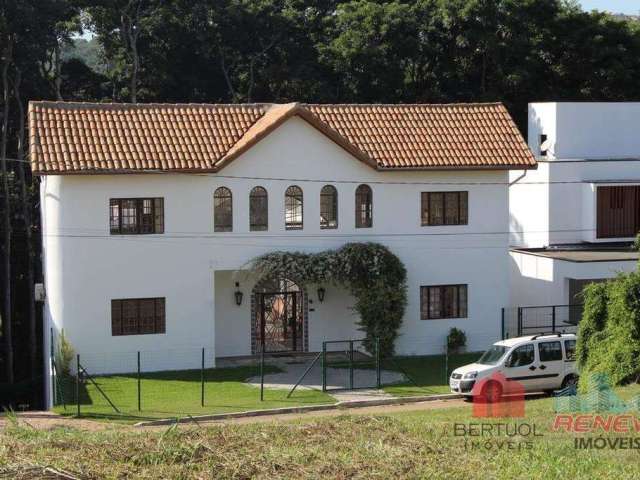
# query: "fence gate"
[[348, 365]]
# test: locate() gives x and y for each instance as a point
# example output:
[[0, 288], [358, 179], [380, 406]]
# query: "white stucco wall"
[[538, 280], [590, 143], [586, 130], [188, 264]]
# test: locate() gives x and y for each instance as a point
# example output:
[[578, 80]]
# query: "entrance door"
[[280, 322]]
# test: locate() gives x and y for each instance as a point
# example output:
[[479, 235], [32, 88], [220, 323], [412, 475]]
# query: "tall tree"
[[7, 280], [120, 25]]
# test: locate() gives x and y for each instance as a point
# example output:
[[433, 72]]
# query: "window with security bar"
[[443, 301], [136, 216], [445, 208], [293, 208], [364, 207], [137, 316], [222, 210], [328, 207], [258, 210]]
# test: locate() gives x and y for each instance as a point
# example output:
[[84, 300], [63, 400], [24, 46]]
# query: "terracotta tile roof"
[[118, 138]]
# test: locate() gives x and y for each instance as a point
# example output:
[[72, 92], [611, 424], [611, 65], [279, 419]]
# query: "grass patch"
[[404, 445], [429, 373], [178, 394]]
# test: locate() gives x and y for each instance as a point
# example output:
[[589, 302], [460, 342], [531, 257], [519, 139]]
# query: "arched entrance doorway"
[[279, 317]]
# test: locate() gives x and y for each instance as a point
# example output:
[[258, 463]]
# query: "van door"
[[551, 365], [520, 367]]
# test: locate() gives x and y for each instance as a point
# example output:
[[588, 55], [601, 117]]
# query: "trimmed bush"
[[456, 340]]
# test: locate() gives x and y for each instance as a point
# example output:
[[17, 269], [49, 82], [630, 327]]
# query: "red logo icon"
[[498, 397]]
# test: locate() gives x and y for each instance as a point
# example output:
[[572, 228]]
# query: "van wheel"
[[492, 392], [569, 381]]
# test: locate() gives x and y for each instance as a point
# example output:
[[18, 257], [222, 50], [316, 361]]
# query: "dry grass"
[[408, 445]]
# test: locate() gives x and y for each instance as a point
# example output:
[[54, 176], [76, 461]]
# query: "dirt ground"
[[48, 420]]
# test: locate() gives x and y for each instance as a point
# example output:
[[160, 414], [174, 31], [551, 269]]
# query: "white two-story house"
[[151, 213], [573, 218]]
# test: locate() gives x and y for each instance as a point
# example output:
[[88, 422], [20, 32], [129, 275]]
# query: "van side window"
[[550, 351], [570, 349], [521, 356]]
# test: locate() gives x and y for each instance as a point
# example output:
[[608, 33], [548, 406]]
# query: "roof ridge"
[[107, 105], [395, 105]]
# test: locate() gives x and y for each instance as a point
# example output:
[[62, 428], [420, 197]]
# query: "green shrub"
[[593, 318], [456, 340], [609, 335], [64, 354]]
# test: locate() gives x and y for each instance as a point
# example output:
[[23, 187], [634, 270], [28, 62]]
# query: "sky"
[[615, 6]]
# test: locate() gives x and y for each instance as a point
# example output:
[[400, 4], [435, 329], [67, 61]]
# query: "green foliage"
[[609, 335], [456, 340], [64, 354], [373, 275], [593, 318]]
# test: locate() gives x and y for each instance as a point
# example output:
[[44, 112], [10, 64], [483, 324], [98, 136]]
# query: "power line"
[[16, 160], [319, 235], [360, 181]]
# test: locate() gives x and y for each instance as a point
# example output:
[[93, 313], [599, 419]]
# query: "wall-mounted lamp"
[[321, 292], [238, 294]]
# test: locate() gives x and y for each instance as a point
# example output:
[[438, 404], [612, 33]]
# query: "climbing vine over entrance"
[[374, 276]]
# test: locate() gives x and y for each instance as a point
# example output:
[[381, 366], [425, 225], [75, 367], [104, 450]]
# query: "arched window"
[[222, 210], [364, 207], [293, 208], [258, 210], [328, 207]]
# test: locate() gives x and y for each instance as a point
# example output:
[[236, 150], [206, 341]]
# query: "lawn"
[[405, 445], [178, 394], [427, 374]]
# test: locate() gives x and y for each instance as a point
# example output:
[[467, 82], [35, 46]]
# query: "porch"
[[276, 317]]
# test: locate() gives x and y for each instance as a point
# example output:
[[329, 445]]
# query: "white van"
[[544, 362]]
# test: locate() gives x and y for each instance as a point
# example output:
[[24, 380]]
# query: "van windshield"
[[493, 355]]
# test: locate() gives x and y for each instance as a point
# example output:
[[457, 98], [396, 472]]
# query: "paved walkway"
[[338, 379], [373, 410]]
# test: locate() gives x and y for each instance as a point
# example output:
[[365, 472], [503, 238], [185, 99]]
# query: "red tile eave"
[[214, 170]]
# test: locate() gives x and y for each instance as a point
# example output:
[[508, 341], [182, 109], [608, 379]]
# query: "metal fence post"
[[446, 365], [53, 374], [202, 380], [519, 321], [78, 383], [502, 330], [378, 383], [553, 318], [324, 366], [262, 375], [350, 364], [139, 381]]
